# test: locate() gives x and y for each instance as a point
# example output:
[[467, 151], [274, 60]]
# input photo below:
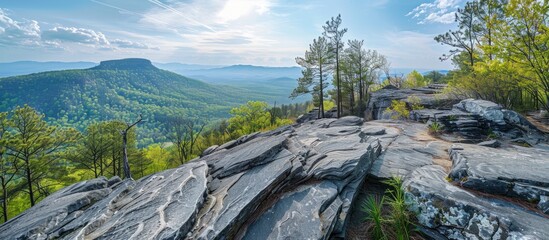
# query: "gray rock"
[[153, 207], [429, 97], [209, 150], [544, 204], [517, 171], [237, 198], [63, 206], [347, 121], [244, 156], [456, 213], [306, 213], [405, 153], [488, 110], [491, 143]]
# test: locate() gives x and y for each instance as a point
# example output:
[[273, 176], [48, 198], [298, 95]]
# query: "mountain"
[[275, 82], [237, 73], [120, 89], [263, 81], [182, 68], [28, 67]]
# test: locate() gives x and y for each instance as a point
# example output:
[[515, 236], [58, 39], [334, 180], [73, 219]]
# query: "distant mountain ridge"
[[126, 64], [121, 89], [27, 67]]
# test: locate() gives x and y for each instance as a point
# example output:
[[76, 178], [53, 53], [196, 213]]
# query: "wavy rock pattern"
[[306, 181]]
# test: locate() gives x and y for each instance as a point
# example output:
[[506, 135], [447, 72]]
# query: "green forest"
[[120, 90], [37, 158], [500, 51]]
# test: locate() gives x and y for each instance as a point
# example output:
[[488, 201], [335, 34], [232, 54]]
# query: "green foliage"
[[373, 207], [435, 128], [388, 216], [452, 118], [415, 102], [500, 51], [398, 110], [435, 77], [249, 118], [317, 63], [399, 215], [415, 80], [32, 163], [78, 98], [354, 69]]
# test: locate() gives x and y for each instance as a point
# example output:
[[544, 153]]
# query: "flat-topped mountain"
[[126, 64], [120, 89]]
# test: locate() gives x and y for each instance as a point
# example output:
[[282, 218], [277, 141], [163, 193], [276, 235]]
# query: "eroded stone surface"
[[299, 214], [513, 171], [300, 182], [458, 214]]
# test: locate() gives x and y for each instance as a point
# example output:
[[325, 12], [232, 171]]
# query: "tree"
[[434, 77], [466, 38], [249, 118], [92, 149], [415, 79], [524, 41], [127, 172], [8, 168], [184, 134], [36, 145], [317, 64], [333, 32]]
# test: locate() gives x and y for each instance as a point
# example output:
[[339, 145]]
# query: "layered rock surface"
[[292, 182], [307, 181]]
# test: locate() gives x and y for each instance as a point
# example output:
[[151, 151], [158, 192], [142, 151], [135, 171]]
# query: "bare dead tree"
[[124, 133]]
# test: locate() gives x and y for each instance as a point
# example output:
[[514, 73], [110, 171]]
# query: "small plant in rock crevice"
[[452, 118], [388, 216], [435, 128]]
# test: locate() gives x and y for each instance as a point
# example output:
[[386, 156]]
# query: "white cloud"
[[77, 35], [130, 44], [14, 32], [235, 9], [241, 27], [29, 33], [439, 11]]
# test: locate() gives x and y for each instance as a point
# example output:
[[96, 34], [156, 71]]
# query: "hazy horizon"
[[261, 33]]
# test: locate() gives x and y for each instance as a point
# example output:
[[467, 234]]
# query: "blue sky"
[[215, 32]]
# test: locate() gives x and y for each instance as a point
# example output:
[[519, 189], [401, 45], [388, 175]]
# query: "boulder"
[[455, 213], [491, 143], [429, 97], [514, 171]]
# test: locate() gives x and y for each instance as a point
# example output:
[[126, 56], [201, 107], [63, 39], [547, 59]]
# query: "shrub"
[[435, 128], [415, 102], [398, 110]]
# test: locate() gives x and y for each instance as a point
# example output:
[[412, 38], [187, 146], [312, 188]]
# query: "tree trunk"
[[5, 201], [321, 105], [127, 172], [339, 105], [29, 183]]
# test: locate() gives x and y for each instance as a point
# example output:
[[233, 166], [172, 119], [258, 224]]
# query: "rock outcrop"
[[307, 181], [291, 182], [430, 97]]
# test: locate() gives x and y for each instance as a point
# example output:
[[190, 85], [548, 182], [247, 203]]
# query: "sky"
[[216, 32]]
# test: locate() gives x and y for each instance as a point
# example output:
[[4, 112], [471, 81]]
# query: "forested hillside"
[[120, 90]]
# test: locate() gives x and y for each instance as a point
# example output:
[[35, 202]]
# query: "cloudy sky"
[[218, 32]]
